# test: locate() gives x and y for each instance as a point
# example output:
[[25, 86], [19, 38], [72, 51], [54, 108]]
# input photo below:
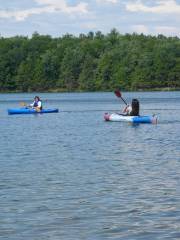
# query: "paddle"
[[23, 104], [118, 94]]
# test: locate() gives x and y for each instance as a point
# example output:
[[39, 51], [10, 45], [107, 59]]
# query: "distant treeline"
[[92, 62]]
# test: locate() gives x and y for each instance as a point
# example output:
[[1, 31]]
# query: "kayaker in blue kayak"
[[133, 109], [37, 104]]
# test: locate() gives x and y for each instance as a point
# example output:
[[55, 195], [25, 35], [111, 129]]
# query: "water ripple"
[[73, 176]]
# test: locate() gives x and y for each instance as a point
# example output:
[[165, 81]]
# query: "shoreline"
[[82, 91]]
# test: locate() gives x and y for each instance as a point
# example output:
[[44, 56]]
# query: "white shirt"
[[39, 104], [127, 109]]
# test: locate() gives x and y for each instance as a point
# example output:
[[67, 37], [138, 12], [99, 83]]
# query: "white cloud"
[[48, 6], [140, 29], [162, 6], [167, 30], [111, 1], [155, 30], [21, 15], [61, 5], [107, 1], [89, 25]]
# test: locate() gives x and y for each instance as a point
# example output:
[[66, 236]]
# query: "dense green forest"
[[92, 62]]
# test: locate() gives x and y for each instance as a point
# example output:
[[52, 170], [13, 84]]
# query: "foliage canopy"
[[91, 62]]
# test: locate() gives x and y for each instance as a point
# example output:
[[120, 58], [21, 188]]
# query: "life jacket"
[[36, 105]]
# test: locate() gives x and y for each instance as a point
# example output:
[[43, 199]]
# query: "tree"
[[88, 74], [47, 70], [70, 69]]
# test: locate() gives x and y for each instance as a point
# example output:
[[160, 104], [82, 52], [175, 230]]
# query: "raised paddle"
[[118, 94]]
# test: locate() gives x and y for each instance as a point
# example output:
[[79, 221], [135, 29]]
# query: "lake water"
[[71, 175]]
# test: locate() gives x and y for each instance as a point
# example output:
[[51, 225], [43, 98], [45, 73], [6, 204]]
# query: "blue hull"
[[143, 119], [30, 111]]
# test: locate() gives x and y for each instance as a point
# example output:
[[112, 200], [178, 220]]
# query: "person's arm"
[[127, 109], [31, 105]]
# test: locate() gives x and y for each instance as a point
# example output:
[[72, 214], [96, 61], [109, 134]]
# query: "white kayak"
[[115, 117]]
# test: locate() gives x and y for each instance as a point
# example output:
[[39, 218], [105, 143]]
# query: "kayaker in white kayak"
[[37, 104], [133, 109]]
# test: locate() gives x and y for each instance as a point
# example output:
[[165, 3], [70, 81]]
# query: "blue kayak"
[[31, 111]]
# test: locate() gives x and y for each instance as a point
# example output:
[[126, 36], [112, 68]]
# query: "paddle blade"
[[117, 93], [23, 104]]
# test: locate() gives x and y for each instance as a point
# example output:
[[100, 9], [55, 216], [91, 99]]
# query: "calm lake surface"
[[71, 175]]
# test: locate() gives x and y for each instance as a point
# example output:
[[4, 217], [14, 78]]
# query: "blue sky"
[[58, 17]]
